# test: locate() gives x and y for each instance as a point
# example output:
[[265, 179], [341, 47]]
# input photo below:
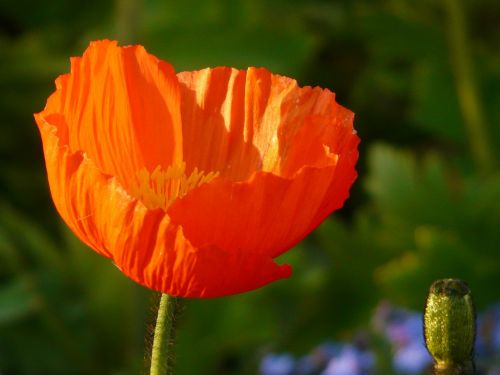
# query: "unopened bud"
[[450, 326]]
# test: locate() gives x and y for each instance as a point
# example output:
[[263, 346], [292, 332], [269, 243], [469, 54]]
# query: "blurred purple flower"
[[350, 361], [319, 357], [404, 330], [411, 359], [277, 364]]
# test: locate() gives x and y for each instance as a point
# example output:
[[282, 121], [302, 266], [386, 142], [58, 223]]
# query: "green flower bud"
[[450, 326]]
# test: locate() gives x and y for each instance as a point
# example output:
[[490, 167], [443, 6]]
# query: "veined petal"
[[285, 155], [237, 122], [213, 118], [121, 108], [143, 242]]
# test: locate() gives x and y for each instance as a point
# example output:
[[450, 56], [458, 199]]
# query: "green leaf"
[[409, 192], [16, 301]]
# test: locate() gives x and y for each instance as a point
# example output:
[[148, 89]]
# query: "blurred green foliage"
[[423, 207]]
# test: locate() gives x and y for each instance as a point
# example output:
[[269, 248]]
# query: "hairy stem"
[[162, 356]]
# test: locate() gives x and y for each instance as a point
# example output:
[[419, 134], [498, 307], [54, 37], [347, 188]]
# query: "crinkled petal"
[[143, 243], [121, 106], [237, 122], [286, 157]]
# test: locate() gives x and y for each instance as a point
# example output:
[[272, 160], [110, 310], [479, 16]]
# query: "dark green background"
[[426, 204]]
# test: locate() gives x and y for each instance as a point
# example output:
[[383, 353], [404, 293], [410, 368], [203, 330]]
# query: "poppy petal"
[[267, 214], [143, 243], [237, 122], [214, 119], [299, 146], [121, 107]]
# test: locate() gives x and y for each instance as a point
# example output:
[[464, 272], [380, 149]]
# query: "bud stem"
[[465, 369]]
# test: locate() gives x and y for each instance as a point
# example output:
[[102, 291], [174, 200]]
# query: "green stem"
[[467, 88], [453, 369], [162, 357]]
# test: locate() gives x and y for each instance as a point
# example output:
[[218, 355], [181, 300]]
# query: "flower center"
[[160, 188]]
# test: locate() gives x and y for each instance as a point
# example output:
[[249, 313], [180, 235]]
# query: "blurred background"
[[422, 76]]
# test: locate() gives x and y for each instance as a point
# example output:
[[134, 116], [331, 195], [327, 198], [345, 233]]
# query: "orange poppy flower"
[[192, 183]]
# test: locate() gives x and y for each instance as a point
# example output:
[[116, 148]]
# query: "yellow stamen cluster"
[[160, 188]]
